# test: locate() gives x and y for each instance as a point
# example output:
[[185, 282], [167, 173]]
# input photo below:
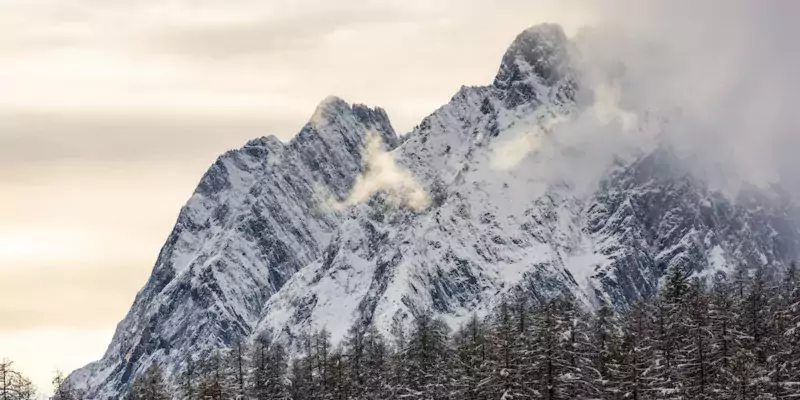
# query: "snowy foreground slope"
[[349, 223]]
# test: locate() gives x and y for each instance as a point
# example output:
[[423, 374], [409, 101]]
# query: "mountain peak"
[[327, 108], [538, 56], [333, 111]]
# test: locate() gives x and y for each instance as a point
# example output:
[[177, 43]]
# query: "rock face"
[[258, 246]]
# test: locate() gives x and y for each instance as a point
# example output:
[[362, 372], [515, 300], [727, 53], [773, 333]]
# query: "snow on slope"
[[256, 247], [253, 222]]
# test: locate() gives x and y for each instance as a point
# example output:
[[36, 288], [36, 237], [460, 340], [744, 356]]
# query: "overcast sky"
[[111, 110]]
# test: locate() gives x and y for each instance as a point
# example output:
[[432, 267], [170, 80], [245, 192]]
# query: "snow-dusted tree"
[[694, 354], [427, 353], [188, 380], [579, 351], [636, 352], [722, 318], [524, 368], [743, 373], [340, 382], [792, 333], [606, 339], [302, 382], [550, 360], [668, 336], [776, 344], [755, 317], [398, 362], [376, 381], [355, 347], [505, 375], [238, 362], [13, 384], [756, 313], [322, 348], [470, 362], [268, 374], [149, 386], [62, 390], [214, 382]]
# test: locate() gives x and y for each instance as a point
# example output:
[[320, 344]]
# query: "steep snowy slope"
[[253, 221], [273, 237]]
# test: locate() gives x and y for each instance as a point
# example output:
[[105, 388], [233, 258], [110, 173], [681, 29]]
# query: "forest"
[[734, 337]]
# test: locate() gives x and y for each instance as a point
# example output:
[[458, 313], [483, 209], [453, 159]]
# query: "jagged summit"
[[334, 116], [271, 142], [329, 107], [540, 51], [539, 56]]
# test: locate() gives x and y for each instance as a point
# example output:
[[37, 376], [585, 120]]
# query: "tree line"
[[734, 337]]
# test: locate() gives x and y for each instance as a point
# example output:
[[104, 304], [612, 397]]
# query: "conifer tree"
[[607, 341], [62, 390], [669, 336], [270, 364], [188, 380], [792, 333], [548, 352], [427, 352], [355, 349], [214, 382], [13, 384], [505, 376], [237, 365], [376, 383], [579, 352], [636, 354], [694, 355], [722, 318], [149, 386], [322, 346], [470, 363]]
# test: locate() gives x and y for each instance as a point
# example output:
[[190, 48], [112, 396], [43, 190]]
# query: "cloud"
[[266, 33], [507, 154], [716, 81], [720, 75], [573, 144], [382, 174], [606, 108]]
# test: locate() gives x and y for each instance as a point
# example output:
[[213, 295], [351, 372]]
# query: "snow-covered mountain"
[[349, 223]]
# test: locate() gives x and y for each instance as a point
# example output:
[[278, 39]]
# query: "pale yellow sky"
[[111, 110]]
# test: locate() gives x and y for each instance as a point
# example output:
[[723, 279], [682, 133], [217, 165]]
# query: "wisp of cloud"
[[382, 174]]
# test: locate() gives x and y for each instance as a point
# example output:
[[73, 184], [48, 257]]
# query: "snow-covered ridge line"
[[258, 246]]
